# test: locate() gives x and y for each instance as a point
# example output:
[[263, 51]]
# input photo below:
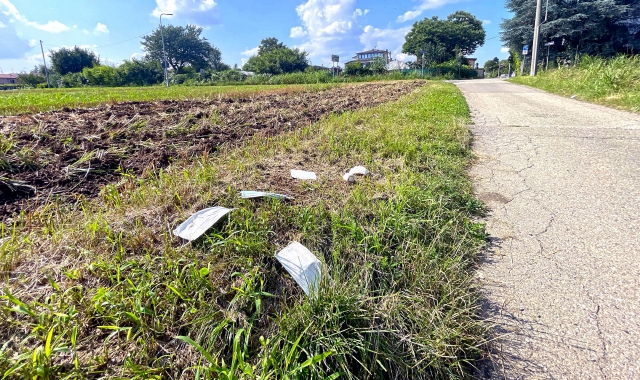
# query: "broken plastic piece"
[[356, 170], [573, 96], [349, 177], [200, 222], [260, 194], [359, 170], [302, 265], [301, 174]]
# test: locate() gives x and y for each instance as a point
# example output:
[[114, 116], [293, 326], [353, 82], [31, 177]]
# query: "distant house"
[[8, 78], [472, 62], [367, 57]]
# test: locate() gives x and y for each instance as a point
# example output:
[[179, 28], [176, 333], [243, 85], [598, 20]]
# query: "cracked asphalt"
[[561, 275]]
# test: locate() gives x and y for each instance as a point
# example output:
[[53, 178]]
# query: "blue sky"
[[320, 27]]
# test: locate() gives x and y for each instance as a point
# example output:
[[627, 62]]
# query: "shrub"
[[102, 76]]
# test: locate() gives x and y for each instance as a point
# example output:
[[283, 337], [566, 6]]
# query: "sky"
[[113, 28]]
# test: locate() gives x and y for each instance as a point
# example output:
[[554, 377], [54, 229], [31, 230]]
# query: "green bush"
[[102, 76], [72, 80], [141, 72], [228, 76]]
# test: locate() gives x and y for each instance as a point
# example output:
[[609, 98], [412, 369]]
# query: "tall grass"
[[103, 289], [614, 82]]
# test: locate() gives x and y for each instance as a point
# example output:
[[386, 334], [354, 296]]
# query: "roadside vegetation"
[[100, 288], [613, 82]]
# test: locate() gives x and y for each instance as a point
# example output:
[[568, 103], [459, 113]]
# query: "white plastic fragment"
[[301, 174], [260, 194], [200, 222], [573, 96], [349, 177], [356, 170], [359, 170], [302, 265]]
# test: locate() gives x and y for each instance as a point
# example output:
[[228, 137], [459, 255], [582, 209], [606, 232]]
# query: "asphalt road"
[[561, 275]]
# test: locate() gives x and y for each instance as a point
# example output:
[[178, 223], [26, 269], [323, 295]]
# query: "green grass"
[[41, 100], [612, 82], [102, 289]]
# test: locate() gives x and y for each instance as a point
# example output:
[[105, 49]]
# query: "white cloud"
[[330, 28], [359, 12], [402, 57], [75, 26], [486, 22], [85, 31], [424, 5], [504, 50], [7, 8], [391, 39], [250, 52], [33, 42], [137, 56], [2, 25], [101, 28], [297, 32], [199, 11]]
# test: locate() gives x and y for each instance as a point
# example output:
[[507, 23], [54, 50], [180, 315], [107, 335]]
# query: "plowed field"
[[76, 151]]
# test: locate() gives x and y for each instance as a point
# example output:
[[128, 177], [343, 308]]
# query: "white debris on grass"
[[349, 177], [200, 222], [302, 265], [359, 170], [356, 170], [301, 174], [246, 194]]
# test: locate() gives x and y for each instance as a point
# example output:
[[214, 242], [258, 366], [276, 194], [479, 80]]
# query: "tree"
[[65, 61], [270, 44], [594, 27], [214, 61], [461, 29], [275, 58], [355, 68], [378, 66], [491, 66], [102, 76], [31, 79], [141, 72], [184, 47]]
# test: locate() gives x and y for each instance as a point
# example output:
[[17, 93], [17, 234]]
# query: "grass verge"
[[102, 289], [611, 82], [42, 100]]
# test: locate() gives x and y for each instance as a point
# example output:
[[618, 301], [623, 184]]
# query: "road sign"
[[525, 49], [335, 58], [550, 43]]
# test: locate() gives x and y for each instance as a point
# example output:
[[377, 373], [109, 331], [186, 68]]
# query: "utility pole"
[[164, 53], [46, 72], [536, 35]]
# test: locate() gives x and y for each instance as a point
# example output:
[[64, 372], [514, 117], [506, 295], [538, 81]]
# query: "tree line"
[[573, 28], [190, 57]]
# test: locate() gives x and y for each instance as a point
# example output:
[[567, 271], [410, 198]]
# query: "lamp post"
[[164, 54]]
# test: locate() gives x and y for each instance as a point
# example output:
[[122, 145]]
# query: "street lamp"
[[164, 54]]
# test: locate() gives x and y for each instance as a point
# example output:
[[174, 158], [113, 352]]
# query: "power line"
[[118, 43]]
